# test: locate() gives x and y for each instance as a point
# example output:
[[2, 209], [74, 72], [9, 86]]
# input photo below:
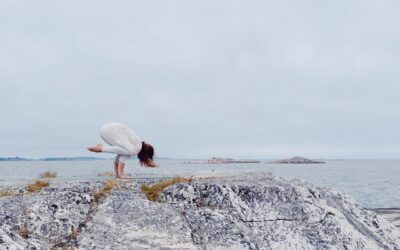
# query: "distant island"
[[71, 159], [297, 160], [52, 159], [216, 160], [14, 159]]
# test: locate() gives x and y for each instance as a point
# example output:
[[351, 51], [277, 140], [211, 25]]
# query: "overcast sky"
[[244, 79]]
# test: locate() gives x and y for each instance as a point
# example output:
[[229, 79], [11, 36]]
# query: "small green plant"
[[153, 191], [48, 174], [37, 186]]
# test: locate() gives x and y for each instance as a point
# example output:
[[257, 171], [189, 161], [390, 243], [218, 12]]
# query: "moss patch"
[[153, 191]]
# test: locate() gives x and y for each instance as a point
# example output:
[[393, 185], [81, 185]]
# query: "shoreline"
[[16, 185]]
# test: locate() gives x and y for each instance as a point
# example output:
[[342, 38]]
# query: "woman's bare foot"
[[96, 149]]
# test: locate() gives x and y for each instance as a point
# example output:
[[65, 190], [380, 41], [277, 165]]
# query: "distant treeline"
[[71, 159]]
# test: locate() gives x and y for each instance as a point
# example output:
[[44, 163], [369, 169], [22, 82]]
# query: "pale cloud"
[[243, 79]]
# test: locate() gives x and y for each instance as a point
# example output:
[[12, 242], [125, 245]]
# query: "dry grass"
[[37, 186], [153, 192], [74, 234], [106, 174], [24, 232], [48, 174], [6, 193], [106, 189]]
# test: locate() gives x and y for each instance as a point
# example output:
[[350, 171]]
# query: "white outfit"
[[122, 139]]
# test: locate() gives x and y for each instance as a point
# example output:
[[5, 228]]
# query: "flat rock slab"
[[128, 220], [256, 211], [48, 217]]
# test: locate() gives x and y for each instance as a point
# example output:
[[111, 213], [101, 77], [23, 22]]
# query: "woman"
[[123, 142]]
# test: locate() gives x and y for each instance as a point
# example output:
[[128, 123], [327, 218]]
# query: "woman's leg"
[[121, 167], [116, 162], [109, 149], [114, 150]]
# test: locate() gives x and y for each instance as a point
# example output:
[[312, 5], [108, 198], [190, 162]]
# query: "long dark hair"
[[146, 155]]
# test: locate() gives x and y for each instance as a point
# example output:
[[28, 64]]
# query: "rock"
[[246, 211], [297, 160], [253, 212], [11, 240], [127, 219], [48, 216], [390, 214]]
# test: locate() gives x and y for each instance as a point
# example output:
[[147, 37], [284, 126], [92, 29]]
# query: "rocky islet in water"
[[297, 160], [217, 160]]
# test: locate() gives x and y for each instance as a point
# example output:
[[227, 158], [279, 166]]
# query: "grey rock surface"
[[247, 211], [390, 214], [263, 212], [49, 217], [128, 220]]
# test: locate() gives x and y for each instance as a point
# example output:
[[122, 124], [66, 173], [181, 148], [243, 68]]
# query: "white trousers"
[[122, 154]]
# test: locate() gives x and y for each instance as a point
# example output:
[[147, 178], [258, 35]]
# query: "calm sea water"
[[373, 183]]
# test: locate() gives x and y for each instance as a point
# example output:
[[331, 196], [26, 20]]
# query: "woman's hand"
[[151, 164]]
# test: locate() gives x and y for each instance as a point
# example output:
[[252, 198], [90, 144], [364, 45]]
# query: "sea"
[[372, 183]]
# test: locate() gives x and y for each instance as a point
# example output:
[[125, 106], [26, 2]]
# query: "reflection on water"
[[373, 183]]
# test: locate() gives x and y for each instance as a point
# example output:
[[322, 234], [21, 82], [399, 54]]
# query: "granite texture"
[[228, 211], [390, 214]]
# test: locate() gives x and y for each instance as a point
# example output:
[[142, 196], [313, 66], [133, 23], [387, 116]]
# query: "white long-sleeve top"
[[118, 134]]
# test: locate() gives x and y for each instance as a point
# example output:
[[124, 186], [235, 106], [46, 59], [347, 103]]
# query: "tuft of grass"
[[6, 193], [37, 186], [106, 189], [24, 232], [153, 191], [106, 174], [48, 174]]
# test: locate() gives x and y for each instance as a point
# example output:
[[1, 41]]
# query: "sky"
[[241, 79]]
